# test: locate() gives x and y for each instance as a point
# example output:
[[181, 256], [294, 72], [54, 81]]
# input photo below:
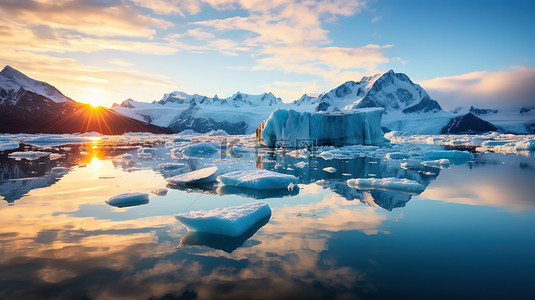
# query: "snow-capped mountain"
[[32, 106], [238, 114], [408, 107], [390, 90], [13, 84], [236, 100]]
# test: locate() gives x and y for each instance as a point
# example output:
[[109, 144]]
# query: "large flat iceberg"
[[258, 179], [290, 128], [128, 199], [387, 184], [230, 221], [199, 176]]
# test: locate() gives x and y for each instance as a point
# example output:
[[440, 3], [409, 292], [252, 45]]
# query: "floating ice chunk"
[[453, 154], [55, 156], [300, 164], [29, 155], [397, 155], [525, 145], [170, 166], [258, 179], [230, 221], [58, 170], [329, 169], [55, 140], [124, 160], [128, 199], [387, 184], [199, 176], [8, 146], [439, 163], [200, 149], [159, 191], [362, 126]]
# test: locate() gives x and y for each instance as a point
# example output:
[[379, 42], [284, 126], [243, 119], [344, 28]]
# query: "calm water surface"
[[469, 235]]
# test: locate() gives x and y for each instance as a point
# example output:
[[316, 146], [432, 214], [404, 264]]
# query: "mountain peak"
[[13, 80]]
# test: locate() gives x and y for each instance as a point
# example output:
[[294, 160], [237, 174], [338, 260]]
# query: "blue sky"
[[102, 52]]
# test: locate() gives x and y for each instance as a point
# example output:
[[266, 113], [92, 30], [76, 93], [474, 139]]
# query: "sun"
[[95, 97]]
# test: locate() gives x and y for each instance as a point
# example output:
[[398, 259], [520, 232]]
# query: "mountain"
[[32, 106], [390, 90], [238, 114], [468, 124]]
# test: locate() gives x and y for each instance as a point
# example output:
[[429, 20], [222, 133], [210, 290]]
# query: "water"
[[468, 235]]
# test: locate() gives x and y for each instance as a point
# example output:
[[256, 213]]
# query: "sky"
[[101, 52]]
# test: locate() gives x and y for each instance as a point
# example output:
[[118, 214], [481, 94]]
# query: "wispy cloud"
[[511, 87], [376, 18]]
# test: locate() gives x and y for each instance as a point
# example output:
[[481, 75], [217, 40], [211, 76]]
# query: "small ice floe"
[[397, 155], [300, 164], [55, 156], [128, 199], [29, 155], [55, 140], [199, 176], [124, 160], [159, 191], [329, 169], [525, 145], [145, 152], [170, 166], [387, 184], [230, 221], [257, 179], [203, 149], [8, 146], [58, 170], [439, 163], [453, 154]]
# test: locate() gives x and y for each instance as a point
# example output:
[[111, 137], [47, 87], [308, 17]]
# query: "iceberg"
[[159, 191], [221, 242], [128, 199], [59, 170], [199, 176], [258, 179], [452, 154], [55, 140], [439, 163], [329, 169], [8, 146], [290, 128], [387, 184], [200, 149], [229, 221], [29, 155]]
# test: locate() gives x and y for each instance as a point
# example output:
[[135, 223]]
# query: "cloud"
[[376, 18], [511, 87], [91, 17], [120, 62], [173, 7]]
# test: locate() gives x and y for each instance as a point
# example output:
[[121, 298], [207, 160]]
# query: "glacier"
[[229, 221], [289, 128]]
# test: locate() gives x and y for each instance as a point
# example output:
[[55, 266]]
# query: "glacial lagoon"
[[468, 235]]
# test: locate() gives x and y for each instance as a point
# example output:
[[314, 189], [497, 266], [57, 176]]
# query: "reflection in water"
[[61, 240], [257, 194], [222, 242]]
